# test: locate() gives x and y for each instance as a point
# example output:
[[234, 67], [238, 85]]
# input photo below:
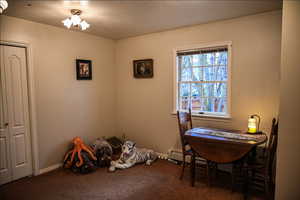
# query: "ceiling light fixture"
[[3, 5], [75, 20]]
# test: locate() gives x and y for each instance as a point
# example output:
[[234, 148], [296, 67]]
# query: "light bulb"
[[84, 25], [67, 22], [3, 5], [75, 20]]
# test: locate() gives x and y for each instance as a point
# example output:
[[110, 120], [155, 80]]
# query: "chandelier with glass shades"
[[75, 20], [3, 5]]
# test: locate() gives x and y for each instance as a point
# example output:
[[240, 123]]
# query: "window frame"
[[228, 44]]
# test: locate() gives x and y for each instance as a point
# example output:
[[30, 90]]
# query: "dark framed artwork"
[[143, 68], [84, 69]]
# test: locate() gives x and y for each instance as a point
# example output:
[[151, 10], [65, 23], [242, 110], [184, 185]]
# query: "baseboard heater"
[[176, 155]]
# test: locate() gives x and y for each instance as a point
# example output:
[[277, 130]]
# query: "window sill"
[[209, 117]]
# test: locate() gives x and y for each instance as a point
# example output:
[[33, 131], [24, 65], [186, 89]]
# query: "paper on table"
[[226, 134]]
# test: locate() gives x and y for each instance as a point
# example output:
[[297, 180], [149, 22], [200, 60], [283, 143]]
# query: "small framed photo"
[[143, 68], [84, 69]]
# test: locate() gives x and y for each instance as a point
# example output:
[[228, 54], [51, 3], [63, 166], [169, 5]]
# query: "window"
[[202, 80]]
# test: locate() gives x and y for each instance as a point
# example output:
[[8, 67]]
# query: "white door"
[[16, 130], [5, 164]]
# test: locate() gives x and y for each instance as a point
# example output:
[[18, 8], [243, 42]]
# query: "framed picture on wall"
[[143, 68], [84, 69]]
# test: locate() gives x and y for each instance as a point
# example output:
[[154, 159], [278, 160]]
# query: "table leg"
[[208, 172], [193, 170]]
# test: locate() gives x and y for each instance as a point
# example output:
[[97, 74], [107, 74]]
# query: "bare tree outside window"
[[202, 78]]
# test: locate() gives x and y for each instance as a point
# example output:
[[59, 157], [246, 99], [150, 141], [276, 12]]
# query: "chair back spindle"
[[184, 123], [271, 149]]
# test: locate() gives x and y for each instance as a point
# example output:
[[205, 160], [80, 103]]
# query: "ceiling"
[[121, 19]]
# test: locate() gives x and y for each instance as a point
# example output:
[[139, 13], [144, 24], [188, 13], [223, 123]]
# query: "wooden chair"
[[185, 123], [261, 173]]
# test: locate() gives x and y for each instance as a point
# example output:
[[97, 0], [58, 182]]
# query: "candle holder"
[[253, 124]]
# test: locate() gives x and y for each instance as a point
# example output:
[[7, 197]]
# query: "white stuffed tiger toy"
[[132, 155]]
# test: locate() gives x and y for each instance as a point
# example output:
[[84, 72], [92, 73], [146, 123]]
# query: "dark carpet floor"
[[159, 181]]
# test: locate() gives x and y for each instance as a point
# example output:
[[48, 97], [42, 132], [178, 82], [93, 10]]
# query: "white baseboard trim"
[[50, 168]]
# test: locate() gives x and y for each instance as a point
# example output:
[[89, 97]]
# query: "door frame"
[[31, 100]]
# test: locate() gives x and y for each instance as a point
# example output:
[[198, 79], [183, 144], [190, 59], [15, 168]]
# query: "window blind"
[[202, 51]]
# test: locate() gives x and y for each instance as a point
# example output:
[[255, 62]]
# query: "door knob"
[[6, 124]]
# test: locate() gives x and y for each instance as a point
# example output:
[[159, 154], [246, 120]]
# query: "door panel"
[[18, 115], [20, 146], [3, 158], [5, 169], [5, 162], [15, 64]]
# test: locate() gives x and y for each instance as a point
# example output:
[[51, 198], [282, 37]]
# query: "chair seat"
[[188, 152], [256, 163], [256, 168], [197, 156]]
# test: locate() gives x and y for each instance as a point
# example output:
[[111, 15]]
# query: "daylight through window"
[[202, 78]]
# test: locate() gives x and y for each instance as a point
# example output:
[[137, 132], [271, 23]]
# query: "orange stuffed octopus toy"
[[78, 147]]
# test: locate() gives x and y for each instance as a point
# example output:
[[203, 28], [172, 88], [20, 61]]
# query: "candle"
[[252, 125]]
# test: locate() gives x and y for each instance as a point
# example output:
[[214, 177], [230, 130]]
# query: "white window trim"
[[175, 85]]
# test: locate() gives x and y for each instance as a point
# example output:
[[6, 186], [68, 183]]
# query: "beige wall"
[[288, 159], [144, 106], [66, 107], [116, 103]]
